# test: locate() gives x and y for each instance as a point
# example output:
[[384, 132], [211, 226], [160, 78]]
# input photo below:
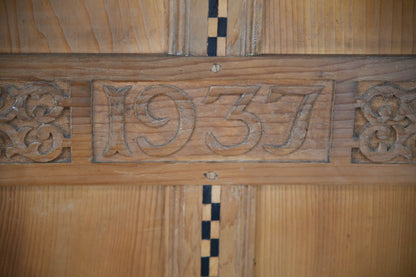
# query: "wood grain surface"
[[313, 230], [81, 69], [100, 231], [183, 238], [339, 27], [336, 231], [84, 26], [244, 29], [237, 232], [181, 27], [120, 231], [340, 219], [188, 27], [82, 231]]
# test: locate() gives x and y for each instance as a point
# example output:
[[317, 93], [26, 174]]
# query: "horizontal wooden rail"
[[161, 120]]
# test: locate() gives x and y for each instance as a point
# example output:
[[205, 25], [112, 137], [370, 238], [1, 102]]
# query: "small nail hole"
[[216, 68], [211, 175]]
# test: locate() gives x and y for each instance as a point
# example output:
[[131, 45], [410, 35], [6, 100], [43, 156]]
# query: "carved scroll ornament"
[[34, 122], [386, 120]]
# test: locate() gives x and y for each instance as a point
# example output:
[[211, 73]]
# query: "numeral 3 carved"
[[144, 121], [237, 112]]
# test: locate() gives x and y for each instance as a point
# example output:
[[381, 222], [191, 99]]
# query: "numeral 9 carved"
[[186, 124], [187, 115]]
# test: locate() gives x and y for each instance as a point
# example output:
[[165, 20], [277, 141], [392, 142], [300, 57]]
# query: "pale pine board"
[[84, 26], [100, 231], [337, 231], [339, 27]]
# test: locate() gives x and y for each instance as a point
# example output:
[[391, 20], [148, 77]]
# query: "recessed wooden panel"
[[353, 230], [83, 231], [84, 26], [338, 27], [100, 231], [280, 120]]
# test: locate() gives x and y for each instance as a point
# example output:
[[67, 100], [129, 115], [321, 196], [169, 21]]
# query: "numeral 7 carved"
[[300, 125], [237, 112]]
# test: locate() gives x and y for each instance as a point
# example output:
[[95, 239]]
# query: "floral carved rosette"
[[34, 122], [385, 124]]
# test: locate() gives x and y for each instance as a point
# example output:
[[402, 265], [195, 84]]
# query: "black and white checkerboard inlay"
[[210, 237], [217, 27]]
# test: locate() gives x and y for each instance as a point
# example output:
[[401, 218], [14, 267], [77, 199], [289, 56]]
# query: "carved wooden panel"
[[209, 121], [385, 122], [271, 121], [34, 122]]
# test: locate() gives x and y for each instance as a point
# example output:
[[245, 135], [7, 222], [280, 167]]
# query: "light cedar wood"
[[244, 27], [180, 27], [237, 232], [100, 231], [339, 27], [338, 231], [120, 231], [188, 27], [80, 69], [84, 26], [183, 240], [83, 231]]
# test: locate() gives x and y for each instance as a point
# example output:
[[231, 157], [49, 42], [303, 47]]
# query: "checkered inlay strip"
[[210, 234], [217, 27]]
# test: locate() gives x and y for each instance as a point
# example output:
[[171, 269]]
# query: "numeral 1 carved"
[[188, 121], [186, 125], [116, 135], [237, 112], [300, 124]]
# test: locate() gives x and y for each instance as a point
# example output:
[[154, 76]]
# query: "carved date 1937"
[[287, 120]]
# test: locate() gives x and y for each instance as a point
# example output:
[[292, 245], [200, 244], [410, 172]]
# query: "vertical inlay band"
[[210, 230], [217, 28]]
